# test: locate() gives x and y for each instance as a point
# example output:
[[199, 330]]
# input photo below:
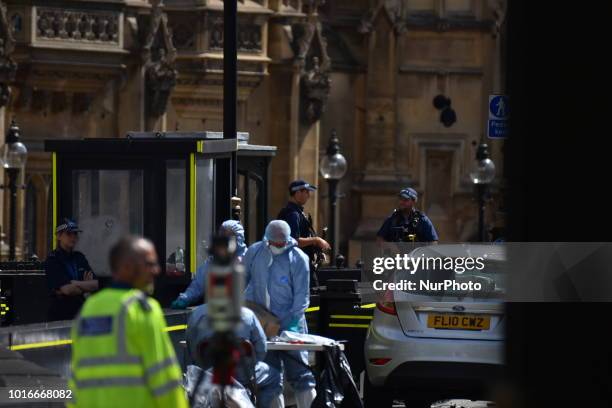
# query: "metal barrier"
[[340, 310], [23, 287], [48, 344], [343, 313]]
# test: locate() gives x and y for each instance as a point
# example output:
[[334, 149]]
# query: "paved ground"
[[17, 373]]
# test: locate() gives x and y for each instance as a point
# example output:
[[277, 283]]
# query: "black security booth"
[[173, 188]]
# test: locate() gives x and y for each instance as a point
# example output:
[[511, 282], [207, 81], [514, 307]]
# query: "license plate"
[[458, 322]]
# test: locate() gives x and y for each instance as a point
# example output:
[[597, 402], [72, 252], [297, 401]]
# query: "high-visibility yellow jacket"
[[121, 355]]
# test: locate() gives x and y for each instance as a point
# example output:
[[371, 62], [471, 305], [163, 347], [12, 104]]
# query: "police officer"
[[121, 355], [407, 224], [69, 276], [301, 224]]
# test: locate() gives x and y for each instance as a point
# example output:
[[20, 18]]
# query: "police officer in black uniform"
[[407, 224], [69, 276], [300, 223]]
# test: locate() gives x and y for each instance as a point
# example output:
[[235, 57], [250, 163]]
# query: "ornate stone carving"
[[77, 26], [249, 36], [159, 56], [499, 9], [216, 34], [393, 10], [315, 90], [8, 67], [311, 55], [184, 35]]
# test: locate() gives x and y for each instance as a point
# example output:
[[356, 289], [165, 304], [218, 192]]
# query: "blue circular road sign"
[[498, 107]]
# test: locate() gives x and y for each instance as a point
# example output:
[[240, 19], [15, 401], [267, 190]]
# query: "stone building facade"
[[390, 59], [367, 68]]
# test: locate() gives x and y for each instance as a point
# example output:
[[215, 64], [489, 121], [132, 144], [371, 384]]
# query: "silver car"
[[425, 345]]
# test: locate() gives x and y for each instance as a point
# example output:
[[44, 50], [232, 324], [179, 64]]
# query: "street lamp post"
[[333, 168], [482, 175], [14, 156]]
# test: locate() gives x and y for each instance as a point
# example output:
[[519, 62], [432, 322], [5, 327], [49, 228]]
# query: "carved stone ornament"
[[249, 35], [159, 59], [8, 67], [393, 10], [316, 86], [77, 26], [314, 62], [499, 9]]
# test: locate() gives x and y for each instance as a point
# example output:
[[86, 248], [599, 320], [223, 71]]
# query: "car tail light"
[[387, 305], [379, 361]]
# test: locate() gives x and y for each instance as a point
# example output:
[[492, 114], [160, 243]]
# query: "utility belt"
[[406, 231], [403, 234]]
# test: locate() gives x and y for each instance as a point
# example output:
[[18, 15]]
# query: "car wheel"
[[374, 397]]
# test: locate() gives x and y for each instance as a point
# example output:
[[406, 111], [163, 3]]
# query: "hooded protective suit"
[[279, 282], [279, 279], [195, 292]]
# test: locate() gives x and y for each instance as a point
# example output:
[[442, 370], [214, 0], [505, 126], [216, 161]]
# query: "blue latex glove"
[[179, 304], [294, 326]]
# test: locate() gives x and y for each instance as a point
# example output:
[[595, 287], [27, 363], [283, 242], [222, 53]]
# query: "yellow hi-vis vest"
[[121, 355]]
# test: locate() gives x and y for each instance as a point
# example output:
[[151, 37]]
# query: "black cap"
[[67, 226], [298, 185]]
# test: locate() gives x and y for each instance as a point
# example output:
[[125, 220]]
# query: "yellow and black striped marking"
[[4, 309], [360, 320]]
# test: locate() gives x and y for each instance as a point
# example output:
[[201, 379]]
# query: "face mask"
[[276, 250]]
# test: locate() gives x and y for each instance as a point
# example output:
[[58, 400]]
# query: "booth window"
[[205, 205], [107, 204], [176, 217], [50, 233], [31, 221], [249, 187]]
